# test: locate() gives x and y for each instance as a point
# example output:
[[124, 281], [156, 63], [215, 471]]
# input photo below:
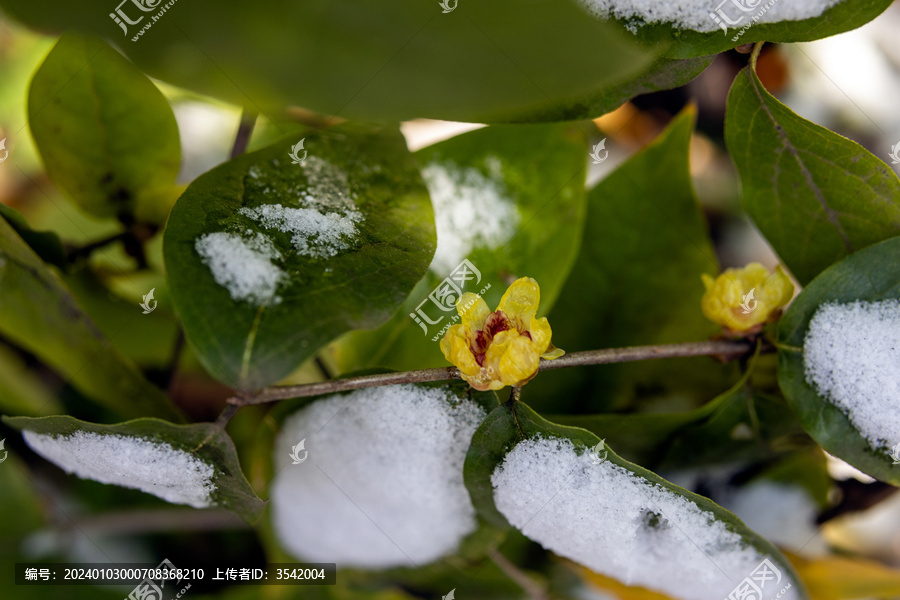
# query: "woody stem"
[[724, 349]]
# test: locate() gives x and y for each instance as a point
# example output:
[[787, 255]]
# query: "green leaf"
[[815, 196], [45, 244], [398, 60], [512, 423], [637, 281], [22, 390], [847, 15], [249, 340], [871, 275], [39, 314], [206, 442], [495, 209], [738, 425], [106, 134]]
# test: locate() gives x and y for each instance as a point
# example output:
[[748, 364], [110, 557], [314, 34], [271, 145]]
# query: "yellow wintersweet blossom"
[[741, 299], [504, 347]]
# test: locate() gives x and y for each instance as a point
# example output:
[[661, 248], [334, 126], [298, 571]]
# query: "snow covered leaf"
[[815, 195], [106, 134], [496, 210], [703, 27], [402, 59], [378, 483], [637, 281], [183, 464], [273, 254], [579, 499], [839, 359], [38, 313]]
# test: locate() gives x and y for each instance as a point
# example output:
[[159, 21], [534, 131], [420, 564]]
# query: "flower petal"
[[473, 310], [455, 346], [521, 300], [519, 362], [540, 332]]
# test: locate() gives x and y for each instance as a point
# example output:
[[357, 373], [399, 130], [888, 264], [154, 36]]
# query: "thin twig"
[[88, 249], [245, 130], [726, 349], [528, 585]]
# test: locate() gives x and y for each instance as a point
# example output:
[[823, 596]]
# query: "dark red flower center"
[[495, 323]]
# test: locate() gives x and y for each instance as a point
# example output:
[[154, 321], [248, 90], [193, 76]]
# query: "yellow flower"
[[741, 299], [504, 347]]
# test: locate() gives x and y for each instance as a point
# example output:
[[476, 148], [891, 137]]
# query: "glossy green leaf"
[[106, 134], [45, 244], [815, 196], [398, 60], [22, 390], [249, 341], [512, 423], [39, 314], [871, 274], [205, 441], [636, 281], [846, 15], [496, 210]]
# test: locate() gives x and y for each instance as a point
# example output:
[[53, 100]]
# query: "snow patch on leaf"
[[383, 482], [851, 356], [132, 462], [621, 525], [698, 15], [243, 265], [471, 211]]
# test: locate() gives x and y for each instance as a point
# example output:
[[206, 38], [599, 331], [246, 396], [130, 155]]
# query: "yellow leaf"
[[841, 578], [619, 590]]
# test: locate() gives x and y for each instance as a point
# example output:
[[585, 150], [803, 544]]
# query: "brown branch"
[[528, 585], [725, 349], [155, 520], [245, 130]]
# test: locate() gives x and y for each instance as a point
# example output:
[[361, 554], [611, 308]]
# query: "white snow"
[[315, 233], [153, 467], [851, 356], [696, 14], [382, 485], [471, 211], [621, 525], [242, 265], [328, 187], [783, 514]]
